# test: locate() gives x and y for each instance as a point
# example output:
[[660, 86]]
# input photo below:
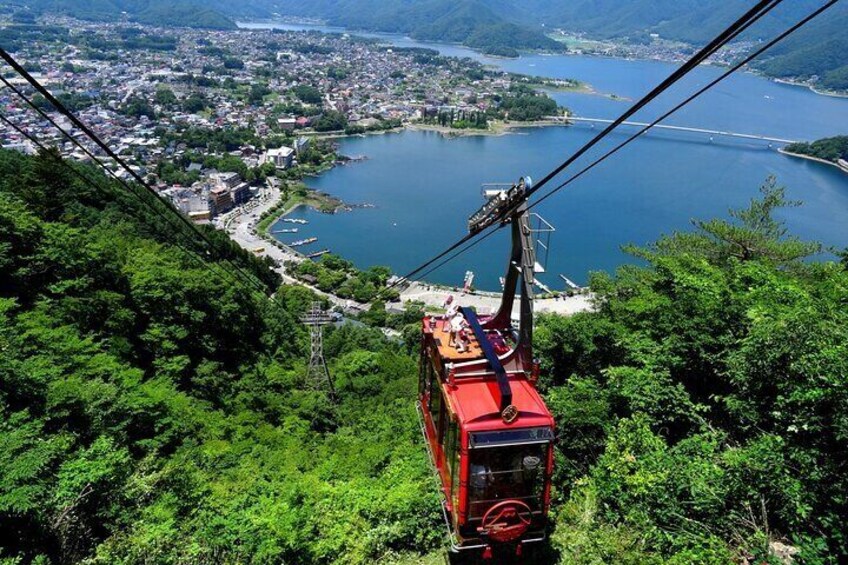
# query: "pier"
[[317, 254], [302, 242], [709, 132]]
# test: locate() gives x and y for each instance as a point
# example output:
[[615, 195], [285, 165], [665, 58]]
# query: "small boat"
[[300, 242], [317, 254]]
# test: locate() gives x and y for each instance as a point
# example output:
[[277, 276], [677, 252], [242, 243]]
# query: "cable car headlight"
[[531, 462]]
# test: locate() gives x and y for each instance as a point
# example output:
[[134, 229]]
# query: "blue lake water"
[[424, 186]]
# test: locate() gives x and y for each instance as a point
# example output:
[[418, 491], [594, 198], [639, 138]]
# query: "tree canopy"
[[154, 410], [704, 405]]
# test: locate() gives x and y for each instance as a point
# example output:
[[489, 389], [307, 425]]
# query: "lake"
[[424, 186]]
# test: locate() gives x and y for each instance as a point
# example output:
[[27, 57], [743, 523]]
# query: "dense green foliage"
[[14, 37], [308, 93], [182, 13], [339, 276], [137, 107], [824, 61], [830, 148], [330, 120], [704, 406], [154, 411], [524, 105]]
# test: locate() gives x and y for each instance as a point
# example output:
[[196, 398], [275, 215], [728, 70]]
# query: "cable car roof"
[[477, 408]]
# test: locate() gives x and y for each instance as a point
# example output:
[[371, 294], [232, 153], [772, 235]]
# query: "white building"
[[282, 157]]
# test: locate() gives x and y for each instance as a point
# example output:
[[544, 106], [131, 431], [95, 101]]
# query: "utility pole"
[[318, 376]]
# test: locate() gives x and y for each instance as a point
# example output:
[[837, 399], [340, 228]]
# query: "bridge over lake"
[[710, 132]]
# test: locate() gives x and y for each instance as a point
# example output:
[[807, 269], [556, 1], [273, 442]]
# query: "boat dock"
[[302, 242], [317, 254]]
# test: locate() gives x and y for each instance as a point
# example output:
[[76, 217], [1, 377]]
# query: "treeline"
[[154, 410], [704, 405], [132, 38], [824, 61], [180, 13], [523, 104], [830, 149], [15, 37], [338, 276]]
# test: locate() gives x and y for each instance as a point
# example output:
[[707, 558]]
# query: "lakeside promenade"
[[238, 226]]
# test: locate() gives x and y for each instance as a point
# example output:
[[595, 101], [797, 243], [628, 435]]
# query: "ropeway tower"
[[318, 376]]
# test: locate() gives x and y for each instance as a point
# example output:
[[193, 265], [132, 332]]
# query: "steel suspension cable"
[[740, 25], [765, 47], [246, 277], [193, 255], [734, 30]]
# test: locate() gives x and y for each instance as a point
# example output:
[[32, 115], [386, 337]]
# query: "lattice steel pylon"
[[318, 376]]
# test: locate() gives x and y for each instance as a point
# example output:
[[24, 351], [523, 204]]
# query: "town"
[[212, 119]]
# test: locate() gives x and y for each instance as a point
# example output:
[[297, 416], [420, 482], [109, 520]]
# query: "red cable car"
[[489, 434]]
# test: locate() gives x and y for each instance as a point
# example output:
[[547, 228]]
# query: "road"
[[488, 302], [240, 225]]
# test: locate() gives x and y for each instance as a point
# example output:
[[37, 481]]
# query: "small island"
[[831, 151]]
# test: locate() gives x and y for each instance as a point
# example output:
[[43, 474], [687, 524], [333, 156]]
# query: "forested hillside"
[[830, 148], [183, 13], [153, 411], [703, 409]]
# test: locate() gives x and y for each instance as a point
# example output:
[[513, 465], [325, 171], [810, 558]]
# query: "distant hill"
[[818, 52], [482, 24], [185, 13], [820, 49]]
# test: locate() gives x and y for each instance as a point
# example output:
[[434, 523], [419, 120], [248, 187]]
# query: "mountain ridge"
[[506, 27]]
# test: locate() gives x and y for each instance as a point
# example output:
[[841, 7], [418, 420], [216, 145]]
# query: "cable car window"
[[435, 402], [423, 373], [509, 437], [514, 472], [450, 445]]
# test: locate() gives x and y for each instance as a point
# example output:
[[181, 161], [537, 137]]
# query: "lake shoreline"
[[807, 85], [811, 158], [672, 61]]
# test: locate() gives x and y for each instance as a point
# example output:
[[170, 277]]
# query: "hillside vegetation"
[[153, 410], [830, 148], [182, 13], [703, 409]]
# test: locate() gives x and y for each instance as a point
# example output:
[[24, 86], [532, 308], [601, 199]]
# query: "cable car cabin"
[[488, 431]]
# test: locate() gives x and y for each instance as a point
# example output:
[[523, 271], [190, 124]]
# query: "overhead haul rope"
[[193, 255], [765, 47], [740, 25], [743, 23], [243, 275], [714, 82]]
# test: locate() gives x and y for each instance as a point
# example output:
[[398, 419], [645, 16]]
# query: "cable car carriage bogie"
[[487, 429]]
